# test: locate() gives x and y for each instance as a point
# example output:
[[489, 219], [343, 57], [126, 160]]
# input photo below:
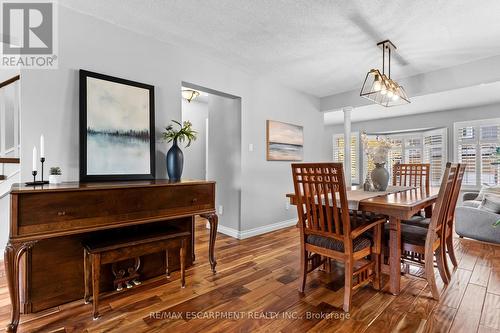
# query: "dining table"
[[397, 207]]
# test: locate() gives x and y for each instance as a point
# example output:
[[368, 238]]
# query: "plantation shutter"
[[435, 153], [488, 143], [466, 138], [338, 153], [395, 154]]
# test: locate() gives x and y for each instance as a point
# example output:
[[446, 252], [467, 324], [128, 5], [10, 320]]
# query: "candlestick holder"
[[42, 159], [35, 182]]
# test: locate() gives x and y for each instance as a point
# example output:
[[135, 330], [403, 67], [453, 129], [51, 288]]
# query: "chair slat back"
[[411, 175], [440, 211], [456, 192], [321, 199]]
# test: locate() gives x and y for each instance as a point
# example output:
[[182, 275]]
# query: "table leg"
[[395, 255], [213, 220], [428, 211], [12, 256]]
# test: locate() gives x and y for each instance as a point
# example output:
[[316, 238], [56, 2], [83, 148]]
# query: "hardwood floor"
[[255, 290]]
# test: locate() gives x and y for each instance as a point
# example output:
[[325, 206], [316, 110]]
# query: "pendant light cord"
[[383, 59], [389, 62]]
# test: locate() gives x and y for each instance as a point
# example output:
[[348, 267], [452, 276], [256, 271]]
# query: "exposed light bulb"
[[395, 97], [383, 91], [376, 85], [390, 93]]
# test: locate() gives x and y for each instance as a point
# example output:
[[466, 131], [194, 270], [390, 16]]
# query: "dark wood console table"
[[44, 255]]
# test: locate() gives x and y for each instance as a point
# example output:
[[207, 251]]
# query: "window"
[[338, 153], [475, 146], [435, 153], [417, 147]]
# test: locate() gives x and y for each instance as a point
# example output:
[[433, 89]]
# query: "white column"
[[347, 144]]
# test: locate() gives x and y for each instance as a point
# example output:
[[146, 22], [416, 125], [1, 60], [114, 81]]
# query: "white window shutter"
[[435, 153], [338, 153]]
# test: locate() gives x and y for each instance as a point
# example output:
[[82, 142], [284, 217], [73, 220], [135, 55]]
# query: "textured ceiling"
[[317, 46]]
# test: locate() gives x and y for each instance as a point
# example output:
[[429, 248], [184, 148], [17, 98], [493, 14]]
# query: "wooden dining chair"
[[417, 175], [450, 219], [421, 245], [326, 228]]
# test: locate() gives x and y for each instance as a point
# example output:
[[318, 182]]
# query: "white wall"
[[195, 156], [50, 106], [224, 156]]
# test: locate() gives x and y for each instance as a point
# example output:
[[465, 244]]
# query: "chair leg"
[[303, 270], [429, 275], [445, 261], [440, 260], [183, 262], [451, 251], [348, 271]]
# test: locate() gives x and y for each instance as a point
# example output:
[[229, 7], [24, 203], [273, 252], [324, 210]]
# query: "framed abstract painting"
[[285, 141], [117, 139]]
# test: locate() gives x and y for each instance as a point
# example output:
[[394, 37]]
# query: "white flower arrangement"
[[379, 151]]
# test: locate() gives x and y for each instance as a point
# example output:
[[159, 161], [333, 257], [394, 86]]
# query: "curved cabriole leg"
[[213, 220], [12, 255]]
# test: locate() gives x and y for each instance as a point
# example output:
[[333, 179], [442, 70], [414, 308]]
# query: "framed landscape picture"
[[117, 139], [285, 142]]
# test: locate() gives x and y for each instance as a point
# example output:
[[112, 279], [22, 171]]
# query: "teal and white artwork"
[[118, 125]]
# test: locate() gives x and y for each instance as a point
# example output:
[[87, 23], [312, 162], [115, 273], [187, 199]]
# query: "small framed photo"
[[285, 142]]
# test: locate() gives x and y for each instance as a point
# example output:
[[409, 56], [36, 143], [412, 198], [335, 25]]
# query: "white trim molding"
[[255, 231]]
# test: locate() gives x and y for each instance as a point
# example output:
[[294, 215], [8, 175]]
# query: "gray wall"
[[224, 156], [417, 121], [50, 106], [195, 156]]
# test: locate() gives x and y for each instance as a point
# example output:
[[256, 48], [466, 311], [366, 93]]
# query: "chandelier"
[[379, 87]]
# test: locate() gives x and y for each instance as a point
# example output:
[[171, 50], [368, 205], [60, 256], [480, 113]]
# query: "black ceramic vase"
[[175, 162]]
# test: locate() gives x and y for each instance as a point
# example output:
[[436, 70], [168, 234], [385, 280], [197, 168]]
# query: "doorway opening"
[[216, 153]]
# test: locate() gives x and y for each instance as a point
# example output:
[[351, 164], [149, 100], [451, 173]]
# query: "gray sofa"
[[475, 223]]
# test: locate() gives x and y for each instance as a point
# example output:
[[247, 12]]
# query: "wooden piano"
[[44, 255]]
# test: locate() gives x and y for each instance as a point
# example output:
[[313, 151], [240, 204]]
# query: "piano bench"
[[99, 252]]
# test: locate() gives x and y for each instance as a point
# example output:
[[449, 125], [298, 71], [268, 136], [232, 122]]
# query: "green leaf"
[[185, 133], [496, 224]]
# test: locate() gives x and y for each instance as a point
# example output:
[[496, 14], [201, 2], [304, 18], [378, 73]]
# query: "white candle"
[[34, 159], [42, 146]]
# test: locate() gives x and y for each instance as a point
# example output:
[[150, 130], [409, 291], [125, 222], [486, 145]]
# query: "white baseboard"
[[255, 231]]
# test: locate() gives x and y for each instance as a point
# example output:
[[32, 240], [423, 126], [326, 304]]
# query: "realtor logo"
[[29, 34]]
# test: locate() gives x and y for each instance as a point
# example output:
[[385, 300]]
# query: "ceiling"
[[447, 100], [320, 47]]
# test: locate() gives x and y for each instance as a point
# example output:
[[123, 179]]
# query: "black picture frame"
[[84, 176]]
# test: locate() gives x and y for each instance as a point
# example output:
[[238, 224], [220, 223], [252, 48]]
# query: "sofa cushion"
[[472, 203], [488, 189], [491, 203]]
